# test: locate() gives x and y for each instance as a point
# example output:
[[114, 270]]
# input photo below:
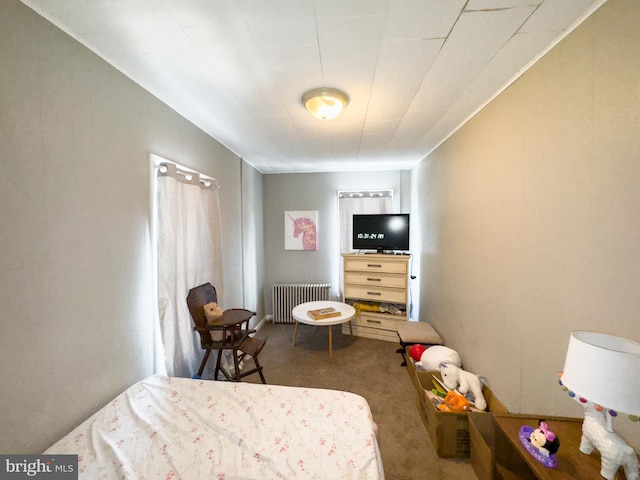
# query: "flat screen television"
[[382, 232]]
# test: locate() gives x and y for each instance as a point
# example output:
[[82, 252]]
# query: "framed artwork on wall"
[[300, 230]]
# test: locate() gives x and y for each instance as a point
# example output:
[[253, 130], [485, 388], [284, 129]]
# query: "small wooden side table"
[[513, 462]]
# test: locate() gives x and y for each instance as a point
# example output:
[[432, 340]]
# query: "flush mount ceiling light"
[[325, 103]]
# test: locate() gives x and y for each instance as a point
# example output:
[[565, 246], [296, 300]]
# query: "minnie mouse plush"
[[541, 443], [544, 439]]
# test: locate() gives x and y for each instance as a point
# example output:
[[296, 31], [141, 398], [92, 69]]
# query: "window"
[[360, 202]]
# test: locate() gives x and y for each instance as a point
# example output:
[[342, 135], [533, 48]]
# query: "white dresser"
[[372, 279]]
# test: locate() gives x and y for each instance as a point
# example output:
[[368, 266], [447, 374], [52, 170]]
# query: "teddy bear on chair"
[[457, 379], [213, 312]]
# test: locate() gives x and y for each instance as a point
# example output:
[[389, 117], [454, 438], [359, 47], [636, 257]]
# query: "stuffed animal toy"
[[544, 439], [541, 443], [433, 356], [454, 402], [455, 378], [212, 312]]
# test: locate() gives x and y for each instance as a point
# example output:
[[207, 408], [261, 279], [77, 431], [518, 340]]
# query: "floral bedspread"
[[177, 428]]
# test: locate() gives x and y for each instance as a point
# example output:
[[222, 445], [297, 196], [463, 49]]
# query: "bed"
[[177, 428]]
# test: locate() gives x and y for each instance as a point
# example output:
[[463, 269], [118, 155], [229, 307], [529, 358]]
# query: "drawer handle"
[[373, 265], [369, 279], [374, 293], [374, 321]]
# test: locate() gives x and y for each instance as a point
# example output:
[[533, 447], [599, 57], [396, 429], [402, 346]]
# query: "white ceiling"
[[415, 70]]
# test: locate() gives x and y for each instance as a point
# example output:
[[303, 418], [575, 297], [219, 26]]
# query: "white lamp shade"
[[605, 370]]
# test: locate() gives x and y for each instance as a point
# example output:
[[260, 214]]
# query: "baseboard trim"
[[263, 322]]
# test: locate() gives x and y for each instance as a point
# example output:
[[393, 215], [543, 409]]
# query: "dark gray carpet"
[[370, 368]]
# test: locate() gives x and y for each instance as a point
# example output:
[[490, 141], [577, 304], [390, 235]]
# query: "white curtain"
[[350, 203], [189, 254]]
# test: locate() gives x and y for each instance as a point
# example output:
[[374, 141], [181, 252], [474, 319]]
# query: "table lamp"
[[602, 373]]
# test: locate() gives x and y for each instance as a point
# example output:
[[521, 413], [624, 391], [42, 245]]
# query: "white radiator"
[[288, 295]]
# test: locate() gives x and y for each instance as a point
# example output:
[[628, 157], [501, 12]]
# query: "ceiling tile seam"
[[488, 64], [315, 22], [444, 41], [185, 31], [373, 79], [294, 124], [521, 72], [453, 24], [498, 9], [258, 126], [519, 28], [516, 32], [174, 108], [418, 89]]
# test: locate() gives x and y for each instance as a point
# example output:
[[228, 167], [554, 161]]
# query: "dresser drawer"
[[375, 279], [375, 294], [382, 322], [376, 264]]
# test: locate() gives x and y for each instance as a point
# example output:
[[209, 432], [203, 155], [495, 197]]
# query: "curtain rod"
[[366, 193], [168, 169]]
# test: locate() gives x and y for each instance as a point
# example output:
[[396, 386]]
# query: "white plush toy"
[[457, 379], [433, 356]]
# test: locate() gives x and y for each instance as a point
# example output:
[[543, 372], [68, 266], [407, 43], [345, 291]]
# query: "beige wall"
[[531, 216], [75, 282]]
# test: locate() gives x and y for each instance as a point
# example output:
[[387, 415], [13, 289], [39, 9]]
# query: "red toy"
[[416, 351]]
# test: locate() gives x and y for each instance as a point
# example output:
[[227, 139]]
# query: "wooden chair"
[[231, 332]]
